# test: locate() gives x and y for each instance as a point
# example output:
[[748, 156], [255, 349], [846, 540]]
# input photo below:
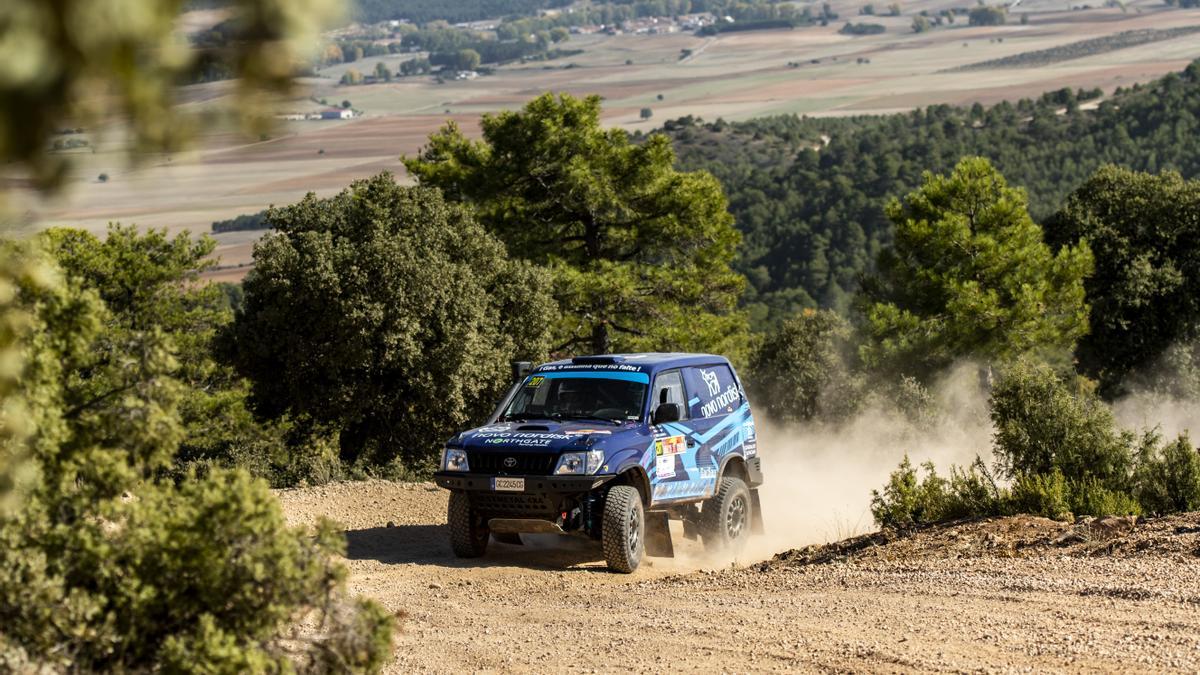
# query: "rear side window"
[[714, 391], [668, 388]]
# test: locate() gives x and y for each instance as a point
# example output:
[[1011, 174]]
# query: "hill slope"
[[808, 193]]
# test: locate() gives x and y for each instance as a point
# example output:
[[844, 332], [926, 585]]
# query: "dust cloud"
[[1146, 410], [819, 477]]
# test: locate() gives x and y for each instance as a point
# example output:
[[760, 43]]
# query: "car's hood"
[[541, 435]]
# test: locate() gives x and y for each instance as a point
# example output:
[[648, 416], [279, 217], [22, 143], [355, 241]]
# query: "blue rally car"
[[610, 447]]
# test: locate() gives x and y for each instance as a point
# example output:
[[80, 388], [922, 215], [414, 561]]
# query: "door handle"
[[691, 443]]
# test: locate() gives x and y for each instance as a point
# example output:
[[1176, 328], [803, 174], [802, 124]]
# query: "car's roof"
[[647, 362]]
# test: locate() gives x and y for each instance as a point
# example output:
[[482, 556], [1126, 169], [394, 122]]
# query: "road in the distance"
[[557, 609]]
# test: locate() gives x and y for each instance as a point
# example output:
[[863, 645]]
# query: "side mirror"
[[666, 412], [520, 369]]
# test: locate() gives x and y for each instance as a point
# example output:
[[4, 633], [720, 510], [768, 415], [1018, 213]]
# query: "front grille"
[[513, 505], [524, 463]]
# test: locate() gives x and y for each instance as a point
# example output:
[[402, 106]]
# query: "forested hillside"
[[808, 194]]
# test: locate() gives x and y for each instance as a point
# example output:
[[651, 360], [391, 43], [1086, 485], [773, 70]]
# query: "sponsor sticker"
[[664, 466], [725, 400], [535, 382], [584, 432], [524, 439], [672, 445], [708, 473]]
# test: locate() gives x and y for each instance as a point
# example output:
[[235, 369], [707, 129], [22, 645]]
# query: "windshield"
[[580, 396]]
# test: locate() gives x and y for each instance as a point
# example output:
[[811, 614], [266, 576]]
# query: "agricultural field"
[[736, 76]]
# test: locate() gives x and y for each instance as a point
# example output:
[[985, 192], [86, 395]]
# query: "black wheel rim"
[[735, 520], [635, 530]]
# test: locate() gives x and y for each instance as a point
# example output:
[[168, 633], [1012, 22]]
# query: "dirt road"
[[1015, 594]]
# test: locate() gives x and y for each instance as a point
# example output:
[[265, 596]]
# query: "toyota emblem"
[[510, 462]]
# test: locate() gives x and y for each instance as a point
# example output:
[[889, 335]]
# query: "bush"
[[1089, 497], [800, 370], [1042, 427], [107, 566], [389, 316], [1167, 479], [972, 492], [905, 501], [1040, 495]]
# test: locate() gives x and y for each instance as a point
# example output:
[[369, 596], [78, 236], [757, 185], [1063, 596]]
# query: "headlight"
[[579, 463], [454, 459]]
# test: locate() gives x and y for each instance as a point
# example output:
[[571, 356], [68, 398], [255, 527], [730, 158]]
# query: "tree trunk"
[[600, 338]]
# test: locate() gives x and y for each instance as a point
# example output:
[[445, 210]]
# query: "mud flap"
[[756, 520], [658, 535]]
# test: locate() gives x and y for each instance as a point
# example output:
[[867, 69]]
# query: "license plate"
[[508, 484]]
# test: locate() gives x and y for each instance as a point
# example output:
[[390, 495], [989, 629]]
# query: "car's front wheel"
[[725, 518], [468, 530], [623, 535]]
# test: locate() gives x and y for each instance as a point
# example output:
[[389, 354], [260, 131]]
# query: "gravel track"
[[998, 596]]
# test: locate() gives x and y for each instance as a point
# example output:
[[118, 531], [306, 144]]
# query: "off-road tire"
[[510, 538], [623, 531], [468, 531], [726, 518]]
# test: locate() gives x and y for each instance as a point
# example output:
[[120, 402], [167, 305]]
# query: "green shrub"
[[110, 564], [1168, 478], [1041, 495], [389, 314], [972, 492], [1090, 498], [905, 501], [1042, 426], [800, 370]]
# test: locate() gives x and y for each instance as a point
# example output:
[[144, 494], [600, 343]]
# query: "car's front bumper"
[[454, 480]]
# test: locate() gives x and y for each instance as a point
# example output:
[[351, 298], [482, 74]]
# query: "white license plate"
[[508, 484]]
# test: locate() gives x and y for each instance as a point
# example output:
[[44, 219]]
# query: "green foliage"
[[969, 276], [1145, 294], [987, 16], [801, 370], [921, 24], [389, 315], [155, 304], [640, 252], [1080, 49], [1041, 494], [808, 192], [59, 54], [246, 221], [907, 501], [1089, 497], [1167, 479], [862, 29], [19, 267], [1042, 426], [972, 492], [105, 566]]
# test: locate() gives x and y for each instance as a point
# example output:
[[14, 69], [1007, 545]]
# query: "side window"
[[714, 391], [668, 388]]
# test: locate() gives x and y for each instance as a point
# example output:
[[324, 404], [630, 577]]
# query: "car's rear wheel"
[[623, 535], [468, 530], [726, 517]]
